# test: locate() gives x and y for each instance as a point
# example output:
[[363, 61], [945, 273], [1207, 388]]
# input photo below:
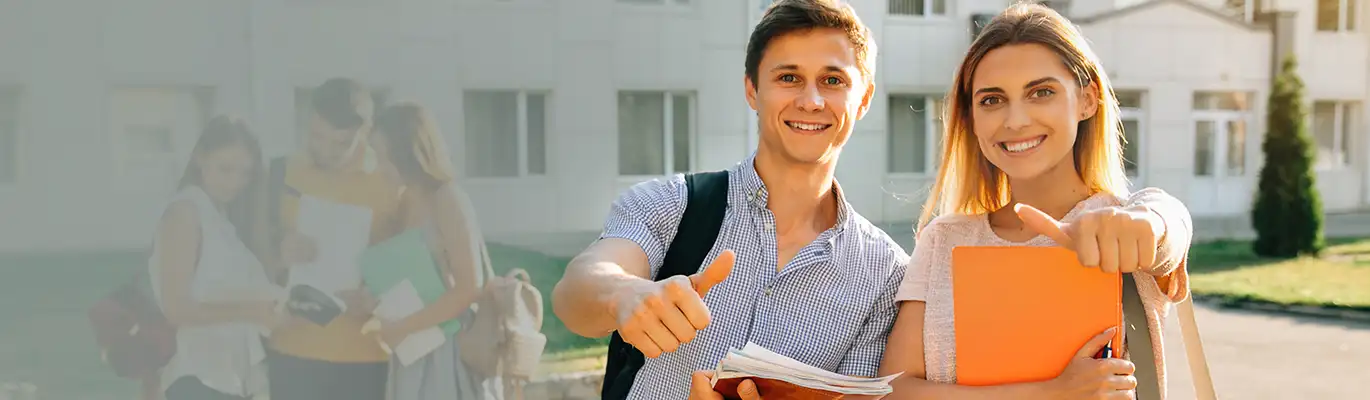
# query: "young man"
[[795, 269], [334, 361]]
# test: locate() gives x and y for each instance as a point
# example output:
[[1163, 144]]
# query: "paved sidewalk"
[[1257, 356]]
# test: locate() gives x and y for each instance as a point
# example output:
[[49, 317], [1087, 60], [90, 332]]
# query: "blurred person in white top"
[[206, 273]]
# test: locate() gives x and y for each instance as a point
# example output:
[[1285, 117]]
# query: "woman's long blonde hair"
[[416, 146], [967, 183]]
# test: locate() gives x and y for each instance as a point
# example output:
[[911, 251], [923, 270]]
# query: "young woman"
[[1032, 124], [205, 270], [439, 232]]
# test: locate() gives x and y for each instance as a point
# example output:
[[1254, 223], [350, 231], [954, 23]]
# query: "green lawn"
[[47, 339], [1229, 269]]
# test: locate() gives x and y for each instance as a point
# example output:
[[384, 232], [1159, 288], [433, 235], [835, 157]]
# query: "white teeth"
[[807, 127], [1023, 146]]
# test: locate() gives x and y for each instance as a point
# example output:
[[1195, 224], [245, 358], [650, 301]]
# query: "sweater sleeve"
[[1172, 251]]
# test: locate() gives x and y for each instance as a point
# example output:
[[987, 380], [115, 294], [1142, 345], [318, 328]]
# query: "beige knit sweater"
[[929, 275]]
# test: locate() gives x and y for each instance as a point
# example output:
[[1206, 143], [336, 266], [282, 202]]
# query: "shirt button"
[[768, 291], [770, 226]]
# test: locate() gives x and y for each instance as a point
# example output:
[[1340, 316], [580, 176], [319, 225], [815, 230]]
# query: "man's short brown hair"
[[787, 16], [342, 102]]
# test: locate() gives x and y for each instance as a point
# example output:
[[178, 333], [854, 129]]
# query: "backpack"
[[699, 225], [134, 337], [501, 333]]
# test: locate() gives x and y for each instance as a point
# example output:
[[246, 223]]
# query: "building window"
[[1246, 10], [922, 8], [1333, 127], [915, 132], [1061, 6], [304, 111], [1220, 133], [655, 132], [506, 133], [1130, 102], [151, 125], [10, 100], [1338, 15]]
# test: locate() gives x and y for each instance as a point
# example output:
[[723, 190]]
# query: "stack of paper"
[[340, 233], [777, 376]]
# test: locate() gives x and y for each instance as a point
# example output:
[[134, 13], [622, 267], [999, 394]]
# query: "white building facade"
[[552, 107]]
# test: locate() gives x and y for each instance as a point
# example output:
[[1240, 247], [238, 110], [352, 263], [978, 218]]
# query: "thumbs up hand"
[[657, 317], [1114, 239]]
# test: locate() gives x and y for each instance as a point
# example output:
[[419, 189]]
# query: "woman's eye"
[[990, 100], [1043, 92], [832, 80]]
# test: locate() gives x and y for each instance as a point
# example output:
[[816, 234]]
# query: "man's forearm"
[[584, 298]]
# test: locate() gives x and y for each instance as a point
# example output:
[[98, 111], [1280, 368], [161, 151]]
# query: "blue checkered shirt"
[[831, 307]]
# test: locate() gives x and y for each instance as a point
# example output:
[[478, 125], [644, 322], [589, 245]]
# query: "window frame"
[[668, 122], [1220, 117], [205, 97], [1346, 22], [932, 135], [1140, 115], [521, 124], [948, 11], [1343, 115]]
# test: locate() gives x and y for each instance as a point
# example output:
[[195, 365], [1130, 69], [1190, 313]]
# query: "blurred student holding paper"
[[1032, 124], [335, 168], [205, 270], [794, 269], [437, 237]]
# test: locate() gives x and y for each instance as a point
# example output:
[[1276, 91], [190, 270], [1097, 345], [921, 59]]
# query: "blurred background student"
[[334, 361], [205, 270], [439, 233]]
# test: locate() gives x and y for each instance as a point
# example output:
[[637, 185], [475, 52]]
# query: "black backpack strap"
[[699, 225], [1137, 339], [695, 237]]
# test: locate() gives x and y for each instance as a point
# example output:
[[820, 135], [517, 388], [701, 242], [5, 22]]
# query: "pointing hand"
[[1114, 239]]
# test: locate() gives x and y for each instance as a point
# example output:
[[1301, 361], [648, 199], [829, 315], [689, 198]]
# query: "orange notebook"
[[1023, 312]]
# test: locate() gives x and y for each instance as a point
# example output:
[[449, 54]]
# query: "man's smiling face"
[[809, 93]]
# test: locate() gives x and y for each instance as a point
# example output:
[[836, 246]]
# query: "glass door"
[[1221, 184]]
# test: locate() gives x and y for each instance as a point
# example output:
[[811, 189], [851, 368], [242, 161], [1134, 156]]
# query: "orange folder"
[[1021, 313]]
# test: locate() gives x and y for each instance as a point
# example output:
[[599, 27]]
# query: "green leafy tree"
[[1287, 214]]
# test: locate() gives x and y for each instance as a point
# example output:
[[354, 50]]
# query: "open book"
[[313, 304], [777, 376]]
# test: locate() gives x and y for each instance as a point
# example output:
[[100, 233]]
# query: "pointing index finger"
[[1040, 222]]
